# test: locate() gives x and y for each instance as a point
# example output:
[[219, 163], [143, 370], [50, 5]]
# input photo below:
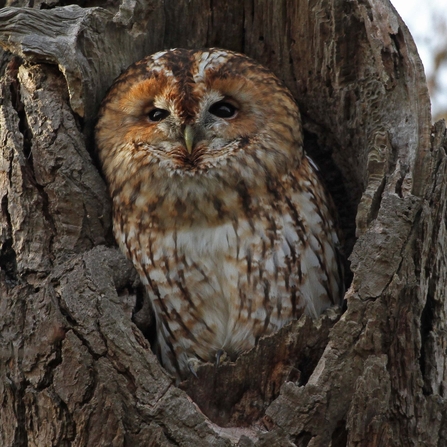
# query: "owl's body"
[[215, 202]]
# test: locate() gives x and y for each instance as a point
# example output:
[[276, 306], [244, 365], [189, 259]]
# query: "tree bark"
[[75, 369]]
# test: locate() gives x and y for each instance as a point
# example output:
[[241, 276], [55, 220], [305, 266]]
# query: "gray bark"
[[76, 370]]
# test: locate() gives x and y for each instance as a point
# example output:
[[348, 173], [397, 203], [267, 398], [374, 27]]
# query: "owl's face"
[[194, 111]]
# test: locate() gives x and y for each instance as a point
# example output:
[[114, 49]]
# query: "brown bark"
[[74, 367]]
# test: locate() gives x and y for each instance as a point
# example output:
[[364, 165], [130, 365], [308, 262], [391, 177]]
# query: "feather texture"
[[235, 238]]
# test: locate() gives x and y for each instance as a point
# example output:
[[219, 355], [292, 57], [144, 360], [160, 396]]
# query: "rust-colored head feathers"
[[215, 201]]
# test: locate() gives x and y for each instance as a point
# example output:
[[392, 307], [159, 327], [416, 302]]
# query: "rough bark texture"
[[75, 370]]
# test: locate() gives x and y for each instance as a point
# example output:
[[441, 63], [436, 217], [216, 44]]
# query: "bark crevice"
[[75, 369]]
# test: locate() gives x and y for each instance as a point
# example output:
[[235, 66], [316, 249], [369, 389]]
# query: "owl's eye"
[[223, 109], [156, 115]]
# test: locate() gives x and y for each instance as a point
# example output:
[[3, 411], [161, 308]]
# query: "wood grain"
[[75, 370]]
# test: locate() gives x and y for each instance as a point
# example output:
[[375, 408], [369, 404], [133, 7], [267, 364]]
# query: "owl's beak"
[[189, 137]]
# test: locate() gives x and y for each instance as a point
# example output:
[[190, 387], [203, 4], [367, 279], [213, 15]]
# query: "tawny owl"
[[215, 202]]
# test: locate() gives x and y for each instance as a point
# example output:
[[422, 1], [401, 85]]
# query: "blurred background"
[[427, 21]]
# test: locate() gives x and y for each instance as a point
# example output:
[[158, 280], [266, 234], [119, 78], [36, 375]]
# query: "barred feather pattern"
[[234, 237]]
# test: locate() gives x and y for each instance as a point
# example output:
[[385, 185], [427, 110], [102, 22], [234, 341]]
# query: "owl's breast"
[[192, 272], [220, 280], [223, 280]]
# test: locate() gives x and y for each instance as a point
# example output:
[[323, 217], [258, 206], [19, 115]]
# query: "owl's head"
[[189, 111]]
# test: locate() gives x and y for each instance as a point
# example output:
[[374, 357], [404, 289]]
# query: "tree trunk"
[[75, 368]]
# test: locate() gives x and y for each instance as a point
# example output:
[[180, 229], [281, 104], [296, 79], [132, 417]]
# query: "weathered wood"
[[291, 355], [75, 369]]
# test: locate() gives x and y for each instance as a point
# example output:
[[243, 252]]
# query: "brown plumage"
[[215, 202]]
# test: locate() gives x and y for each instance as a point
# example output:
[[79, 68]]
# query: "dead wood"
[[75, 369]]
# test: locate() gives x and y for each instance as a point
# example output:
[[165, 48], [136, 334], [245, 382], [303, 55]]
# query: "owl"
[[215, 202]]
